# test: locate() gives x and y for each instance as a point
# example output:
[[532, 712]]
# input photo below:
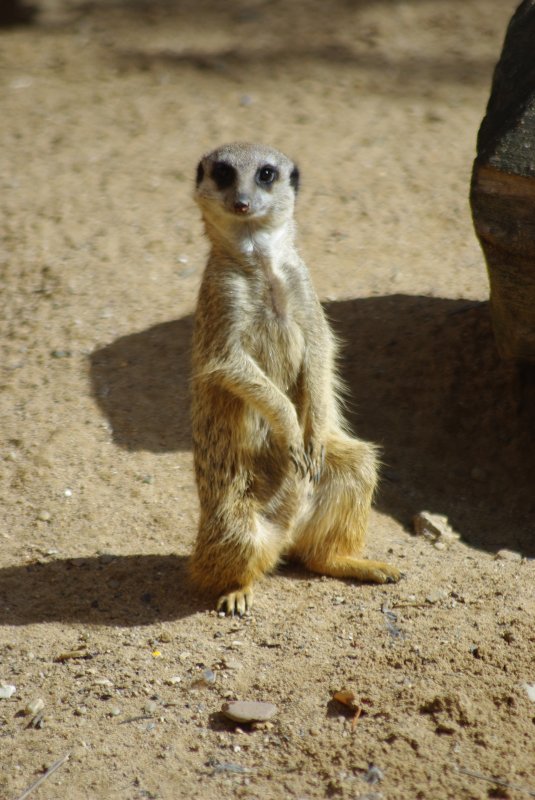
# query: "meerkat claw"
[[235, 603], [299, 463]]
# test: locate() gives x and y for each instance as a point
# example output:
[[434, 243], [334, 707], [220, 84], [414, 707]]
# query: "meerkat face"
[[247, 182]]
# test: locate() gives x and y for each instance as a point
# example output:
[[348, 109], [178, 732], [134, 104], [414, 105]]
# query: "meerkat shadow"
[[106, 590], [141, 384], [455, 423]]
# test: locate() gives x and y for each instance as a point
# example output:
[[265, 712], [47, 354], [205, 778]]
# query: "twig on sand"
[[56, 765], [136, 719], [498, 781]]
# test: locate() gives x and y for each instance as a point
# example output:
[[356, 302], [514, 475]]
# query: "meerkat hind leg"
[[331, 535], [361, 569]]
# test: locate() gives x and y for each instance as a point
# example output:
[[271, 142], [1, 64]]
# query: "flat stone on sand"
[[248, 711]]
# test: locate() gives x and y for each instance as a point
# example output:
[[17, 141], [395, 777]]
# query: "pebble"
[[249, 711], [225, 766], [530, 691], [7, 690], [436, 596], [230, 663], [507, 555], [434, 527], [338, 600], [173, 681], [34, 707], [151, 707], [374, 775], [208, 677], [43, 515], [115, 711]]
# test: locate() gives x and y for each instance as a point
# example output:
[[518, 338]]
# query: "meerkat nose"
[[241, 205]]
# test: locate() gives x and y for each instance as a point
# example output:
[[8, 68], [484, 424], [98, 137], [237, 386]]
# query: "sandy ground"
[[106, 108]]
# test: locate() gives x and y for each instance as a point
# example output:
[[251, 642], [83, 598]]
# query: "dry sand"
[[106, 108]]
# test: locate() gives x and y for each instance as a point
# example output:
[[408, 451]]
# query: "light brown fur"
[[277, 472]]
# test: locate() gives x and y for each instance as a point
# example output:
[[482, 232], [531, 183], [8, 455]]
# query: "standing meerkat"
[[277, 472]]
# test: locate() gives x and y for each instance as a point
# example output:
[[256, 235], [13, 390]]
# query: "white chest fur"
[[269, 249]]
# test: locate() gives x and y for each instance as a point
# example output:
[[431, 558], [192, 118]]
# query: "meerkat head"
[[246, 183]]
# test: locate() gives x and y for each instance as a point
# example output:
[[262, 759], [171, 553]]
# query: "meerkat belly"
[[278, 347]]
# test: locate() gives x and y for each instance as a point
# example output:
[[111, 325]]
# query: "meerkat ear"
[[200, 173], [294, 178]]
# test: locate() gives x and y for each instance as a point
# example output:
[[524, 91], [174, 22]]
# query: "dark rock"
[[503, 189]]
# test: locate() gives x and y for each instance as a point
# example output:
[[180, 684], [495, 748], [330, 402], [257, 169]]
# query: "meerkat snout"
[[242, 205]]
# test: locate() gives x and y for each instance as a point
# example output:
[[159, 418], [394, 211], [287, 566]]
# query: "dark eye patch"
[[266, 175], [223, 174], [200, 173], [294, 178]]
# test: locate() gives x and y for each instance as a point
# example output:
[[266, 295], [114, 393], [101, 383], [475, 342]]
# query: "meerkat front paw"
[[298, 457], [238, 602]]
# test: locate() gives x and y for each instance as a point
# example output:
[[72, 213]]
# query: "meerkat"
[[278, 474]]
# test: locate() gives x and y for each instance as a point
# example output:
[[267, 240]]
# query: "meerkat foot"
[[360, 569], [238, 602]]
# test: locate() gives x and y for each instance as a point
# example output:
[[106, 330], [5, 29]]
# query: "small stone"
[[249, 711], [102, 682], [173, 681], [507, 555], [338, 600], [434, 527], [439, 545], [151, 707], [68, 492], [34, 707], [530, 691], [80, 711], [230, 663], [208, 677], [374, 775], [115, 711], [165, 637], [7, 690], [436, 596], [43, 515]]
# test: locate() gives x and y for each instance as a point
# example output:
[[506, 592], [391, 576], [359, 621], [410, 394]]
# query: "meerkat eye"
[[223, 175], [267, 175]]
